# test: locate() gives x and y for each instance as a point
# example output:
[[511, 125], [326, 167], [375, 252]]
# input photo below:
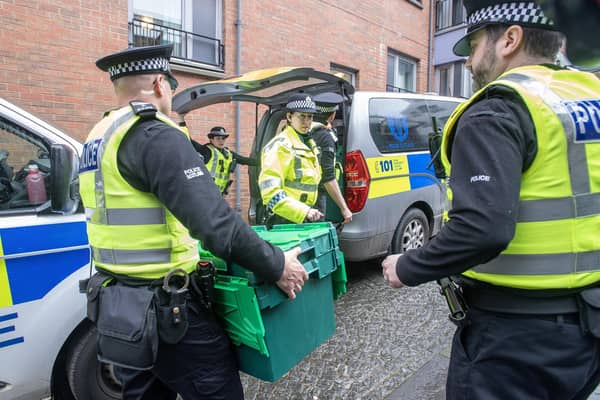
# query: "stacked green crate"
[[271, 332]]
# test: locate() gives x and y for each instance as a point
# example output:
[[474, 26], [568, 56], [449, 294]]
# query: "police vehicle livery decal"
[[6, 331], [30, 267], [394, 174]]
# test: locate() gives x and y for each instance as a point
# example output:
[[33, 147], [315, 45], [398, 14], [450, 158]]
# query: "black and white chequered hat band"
[[157, 64], [304, 104], [327, 109], [518, 12]]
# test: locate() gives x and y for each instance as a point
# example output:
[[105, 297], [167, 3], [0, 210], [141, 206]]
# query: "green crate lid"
[[236, 305]]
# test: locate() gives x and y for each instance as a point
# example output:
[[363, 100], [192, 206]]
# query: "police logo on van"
[[89, 157], [586, 118]]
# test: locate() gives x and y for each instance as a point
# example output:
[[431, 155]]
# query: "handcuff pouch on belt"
[[589, 311], [172, 306]]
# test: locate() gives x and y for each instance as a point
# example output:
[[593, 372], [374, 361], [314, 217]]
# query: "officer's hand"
[[347, 214], [314, 215], [389, 271], [294, 274]]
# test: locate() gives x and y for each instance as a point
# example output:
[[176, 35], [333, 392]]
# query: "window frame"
[[446, 15], [347, 71], [184, 37], [399, 57]]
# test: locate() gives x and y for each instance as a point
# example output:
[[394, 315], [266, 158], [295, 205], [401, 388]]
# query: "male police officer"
[[326, 139], [290, 171], [219, 160], [522, 158], [147, 194]]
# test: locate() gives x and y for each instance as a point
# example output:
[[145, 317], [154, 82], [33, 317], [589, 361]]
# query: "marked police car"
[[47, 346], [388, 180]]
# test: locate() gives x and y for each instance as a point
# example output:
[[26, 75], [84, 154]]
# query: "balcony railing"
[[390, 88], [186, 45]]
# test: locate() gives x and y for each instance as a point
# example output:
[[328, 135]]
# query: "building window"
[[453, 79], [449, 13], [193, 26], [401, 73], [348, 74]]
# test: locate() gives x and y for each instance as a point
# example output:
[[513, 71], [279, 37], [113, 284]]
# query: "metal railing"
[[186, 45], [390, 88]]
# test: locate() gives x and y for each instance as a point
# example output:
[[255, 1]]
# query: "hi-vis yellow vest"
[[130, 231], [219, 165], [557, 238], [290, 175]]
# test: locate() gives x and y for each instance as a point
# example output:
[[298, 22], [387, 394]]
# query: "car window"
[[21, 151], [403, 125]]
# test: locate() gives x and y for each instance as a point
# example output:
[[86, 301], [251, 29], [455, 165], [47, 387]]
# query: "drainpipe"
[[430, 45], [238, 63]]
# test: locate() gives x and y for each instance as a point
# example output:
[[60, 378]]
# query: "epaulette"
[[143, 109]]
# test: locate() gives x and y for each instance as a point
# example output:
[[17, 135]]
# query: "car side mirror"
[[64, 179]]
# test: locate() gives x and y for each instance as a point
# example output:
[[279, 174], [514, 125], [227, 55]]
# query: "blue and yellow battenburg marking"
[[9, 329], [30, 276], [395, 174], [586, 118]]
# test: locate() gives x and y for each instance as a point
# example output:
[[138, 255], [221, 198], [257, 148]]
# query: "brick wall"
[[49, 48]]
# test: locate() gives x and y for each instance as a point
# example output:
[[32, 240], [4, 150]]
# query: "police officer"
[[326, 139], [219, 160], [141, 178], [521, 240], [290, 171]]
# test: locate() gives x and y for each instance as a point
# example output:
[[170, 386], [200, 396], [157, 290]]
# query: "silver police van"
[[388, 179]]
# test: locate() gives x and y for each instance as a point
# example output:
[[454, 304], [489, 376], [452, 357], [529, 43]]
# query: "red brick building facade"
[[48, 49]]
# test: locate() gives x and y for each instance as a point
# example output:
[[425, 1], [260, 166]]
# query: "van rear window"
[[403, 125]]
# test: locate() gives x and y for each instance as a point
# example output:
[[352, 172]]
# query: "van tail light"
[[357, 181]]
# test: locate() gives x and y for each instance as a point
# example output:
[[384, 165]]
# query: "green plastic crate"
[[320, 254], [271, 332], [271, 340]]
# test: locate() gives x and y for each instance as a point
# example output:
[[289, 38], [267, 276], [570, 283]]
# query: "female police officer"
[[290, 171]]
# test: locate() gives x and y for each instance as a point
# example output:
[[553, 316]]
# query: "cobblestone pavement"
[[389, 344]]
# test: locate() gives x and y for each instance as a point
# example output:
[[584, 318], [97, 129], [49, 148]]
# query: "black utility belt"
[[511, 303]]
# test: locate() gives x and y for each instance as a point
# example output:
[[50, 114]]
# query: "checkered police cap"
[[327, 102], [139, 60], [485, 12], [217, 131], [299, 102]]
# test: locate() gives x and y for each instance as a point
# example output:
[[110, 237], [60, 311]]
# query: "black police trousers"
[[509, 356], [201, 366]]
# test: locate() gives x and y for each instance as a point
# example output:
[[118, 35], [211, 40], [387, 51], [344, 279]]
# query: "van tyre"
[[412, 231], [90, 379]]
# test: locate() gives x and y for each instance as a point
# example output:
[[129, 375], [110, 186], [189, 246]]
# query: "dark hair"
[[536, 42]]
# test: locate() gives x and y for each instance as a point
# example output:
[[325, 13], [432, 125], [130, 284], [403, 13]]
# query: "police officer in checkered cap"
[[290, 171], [325, 136], [149, 198], [520, 246]]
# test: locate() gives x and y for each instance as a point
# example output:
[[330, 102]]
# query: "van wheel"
[[90, 379], [412, 231]]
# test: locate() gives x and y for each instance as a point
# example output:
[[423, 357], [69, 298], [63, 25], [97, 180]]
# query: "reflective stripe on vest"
[[125, 216]]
